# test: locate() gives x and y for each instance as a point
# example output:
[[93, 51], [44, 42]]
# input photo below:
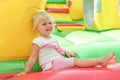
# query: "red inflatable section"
[[58, 10], [107, 73]]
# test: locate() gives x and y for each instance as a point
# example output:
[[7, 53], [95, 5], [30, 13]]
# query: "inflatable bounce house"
[[91, 28]]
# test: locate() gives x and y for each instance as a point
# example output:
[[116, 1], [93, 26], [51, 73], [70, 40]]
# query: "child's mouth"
[[48, 30]]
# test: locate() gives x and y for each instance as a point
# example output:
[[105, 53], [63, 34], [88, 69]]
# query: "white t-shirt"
[[46, 55]]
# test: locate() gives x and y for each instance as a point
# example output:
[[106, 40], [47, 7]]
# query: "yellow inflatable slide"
[[16, 27]]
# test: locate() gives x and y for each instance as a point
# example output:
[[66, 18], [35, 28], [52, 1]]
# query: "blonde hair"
[[39, 16]]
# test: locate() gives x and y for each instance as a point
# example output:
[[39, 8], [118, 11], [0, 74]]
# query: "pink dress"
[[51, 56]]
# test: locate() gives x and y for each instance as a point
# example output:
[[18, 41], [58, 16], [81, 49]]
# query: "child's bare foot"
[[107, 58]]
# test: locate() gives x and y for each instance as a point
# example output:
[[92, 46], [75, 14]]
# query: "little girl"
[[50, 56]]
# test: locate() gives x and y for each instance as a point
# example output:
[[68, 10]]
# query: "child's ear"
[[35, 29]]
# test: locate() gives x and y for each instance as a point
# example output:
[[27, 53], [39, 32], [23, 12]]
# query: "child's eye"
[[44, 24], [50, 22]]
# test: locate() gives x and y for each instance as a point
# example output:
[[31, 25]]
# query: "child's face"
[[45, 27]]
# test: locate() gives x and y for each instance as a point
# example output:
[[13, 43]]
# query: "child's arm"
[[31, 61]]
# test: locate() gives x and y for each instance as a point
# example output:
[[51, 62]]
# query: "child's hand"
[[21, 74], [70, 54]]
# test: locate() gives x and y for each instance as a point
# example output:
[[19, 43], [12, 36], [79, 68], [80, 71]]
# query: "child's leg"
[[103, 61]]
